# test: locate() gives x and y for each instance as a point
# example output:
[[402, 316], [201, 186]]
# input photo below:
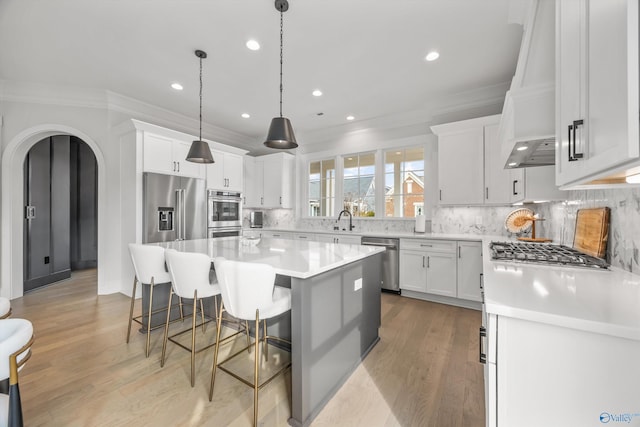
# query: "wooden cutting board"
[[592, 231]]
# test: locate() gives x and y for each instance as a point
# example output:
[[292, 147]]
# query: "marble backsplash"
[[559, 221], [285, 218]]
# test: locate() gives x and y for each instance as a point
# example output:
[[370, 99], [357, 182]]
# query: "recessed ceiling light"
[[432, 56], [253, 45], [524, 147], [512, 164], [398, 152], [245, 115], [176, 86], [349, 158], [317, 92], [350, 118]]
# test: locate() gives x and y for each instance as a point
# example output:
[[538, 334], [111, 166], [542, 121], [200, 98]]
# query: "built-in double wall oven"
[[224, 213]]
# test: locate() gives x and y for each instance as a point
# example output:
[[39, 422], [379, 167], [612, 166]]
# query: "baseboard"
[[474, 305]]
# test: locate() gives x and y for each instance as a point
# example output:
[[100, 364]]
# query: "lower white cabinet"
[[540, 374], [446, 268]]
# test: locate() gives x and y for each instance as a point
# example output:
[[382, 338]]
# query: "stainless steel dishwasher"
[[390, 261]]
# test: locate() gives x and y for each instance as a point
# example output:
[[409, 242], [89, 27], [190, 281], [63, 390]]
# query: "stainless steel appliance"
[[544, 254], [174, 208], [255, 219], [390, 261], [224, 213]]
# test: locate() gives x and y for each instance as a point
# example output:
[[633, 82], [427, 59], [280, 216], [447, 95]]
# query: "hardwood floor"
[[423, 372]]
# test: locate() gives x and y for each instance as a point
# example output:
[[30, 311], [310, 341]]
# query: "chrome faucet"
[[351, 226]]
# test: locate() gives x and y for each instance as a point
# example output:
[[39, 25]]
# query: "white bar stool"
[[5, 308], [148, 263], [249, 293], [189, 279], [16, 338]]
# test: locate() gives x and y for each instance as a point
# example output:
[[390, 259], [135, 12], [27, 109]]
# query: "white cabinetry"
[[226, 173], [445, 271], [597, 84], [502, 186], [252, 191], [339, 238], [460, 164], [428, 266], [277, 234], [469, 270], [167, 155], [583, 377], [271, 181]]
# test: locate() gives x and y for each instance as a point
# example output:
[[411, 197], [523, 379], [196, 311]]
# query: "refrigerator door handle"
[[178, 214]]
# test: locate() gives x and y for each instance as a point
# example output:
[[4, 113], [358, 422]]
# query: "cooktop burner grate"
[[544, 254]]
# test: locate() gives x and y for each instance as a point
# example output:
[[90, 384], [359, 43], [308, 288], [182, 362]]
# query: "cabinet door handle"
[[440, 195], [576, 123], [481, 280], [174, 166], [515, 181], [281, 200], [423, 261], [487, 193], [428, 261], [459, 252], [569, 129], [262, 200], [482, 356], [178, 166], [426, 246]]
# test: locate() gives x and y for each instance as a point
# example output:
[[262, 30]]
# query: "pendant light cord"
[[200, 137], [281, 26]]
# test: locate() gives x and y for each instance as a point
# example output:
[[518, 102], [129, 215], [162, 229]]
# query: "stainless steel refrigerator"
[[175, 208]]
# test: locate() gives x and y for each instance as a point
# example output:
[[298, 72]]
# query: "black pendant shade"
[[199, 153], [281, 134]]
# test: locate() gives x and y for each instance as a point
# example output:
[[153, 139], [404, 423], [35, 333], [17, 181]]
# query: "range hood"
[[527, 125]]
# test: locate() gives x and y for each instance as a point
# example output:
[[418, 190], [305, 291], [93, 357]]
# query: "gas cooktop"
[[544, 254]]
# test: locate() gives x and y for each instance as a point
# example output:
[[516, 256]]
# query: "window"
[[404, 182], [322, 187], [359, 188]]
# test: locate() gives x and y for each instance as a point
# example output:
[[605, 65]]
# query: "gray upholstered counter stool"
[[16, 338], [5, 308], [189, 279], [249, 293], [149, 265]]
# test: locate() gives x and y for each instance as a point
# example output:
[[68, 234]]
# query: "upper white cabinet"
[[597, 84], [167, 155], [501, 186], [226, 173], [270, 182], [460, 162]]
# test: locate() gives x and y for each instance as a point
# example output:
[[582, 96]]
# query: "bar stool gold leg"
[[246, 330], [166, 331], [151, 286], [193, 338], [255, 372], [215, 353], [133, 299], [265, 344], [204, 325]]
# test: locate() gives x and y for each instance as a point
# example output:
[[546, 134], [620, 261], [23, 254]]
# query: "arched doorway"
[[13, 203], [60, 224]]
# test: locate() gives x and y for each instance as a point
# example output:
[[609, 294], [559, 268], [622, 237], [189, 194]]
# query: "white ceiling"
[[366, 56]]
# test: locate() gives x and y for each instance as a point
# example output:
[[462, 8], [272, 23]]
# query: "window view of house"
[[404, 182], [322, 187], [359, 188]]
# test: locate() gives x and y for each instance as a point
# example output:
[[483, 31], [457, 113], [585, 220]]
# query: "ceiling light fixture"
[[280, 134], [350, 118], [199, 151], [317, 92], [176, 86], [253, 45], [245, 115], [432, 56]]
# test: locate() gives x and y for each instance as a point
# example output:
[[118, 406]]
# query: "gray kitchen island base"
[[334, 325]]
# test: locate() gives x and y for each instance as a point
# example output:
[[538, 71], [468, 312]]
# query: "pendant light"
[[199, 151], [280, 134]]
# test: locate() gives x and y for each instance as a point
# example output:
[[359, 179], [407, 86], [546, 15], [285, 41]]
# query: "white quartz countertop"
[[594, 300], [295, 258], [388, 234]]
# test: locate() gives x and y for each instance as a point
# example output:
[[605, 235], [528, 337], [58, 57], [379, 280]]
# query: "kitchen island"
[[335, 308]]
